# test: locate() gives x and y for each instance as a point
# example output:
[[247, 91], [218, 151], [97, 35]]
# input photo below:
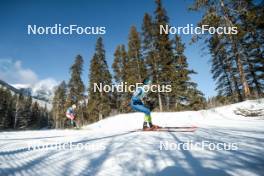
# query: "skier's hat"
[[147, 81]]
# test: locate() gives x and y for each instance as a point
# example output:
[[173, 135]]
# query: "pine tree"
[[76, 87], [223, 70], [168, 65], [157, 50], [35, 114], [5, 109], [99, 103], [148, 36], [18, 112], [183, 88], [27, 117], [117, 65], [163, 56], [44, 120], [243, 58], [59, 105], [118, 69], [129, 68], [136, 67], [249, 17], [120, 64], [121, 75], [148, 45], [19, 116], [220, 67]]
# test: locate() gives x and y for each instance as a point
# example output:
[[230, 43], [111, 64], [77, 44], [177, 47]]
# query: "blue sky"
[[24, 56]]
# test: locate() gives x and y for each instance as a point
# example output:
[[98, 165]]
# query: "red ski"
[[171, 129]]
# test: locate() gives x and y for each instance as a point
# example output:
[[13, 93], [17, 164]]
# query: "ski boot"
[[148, 126]]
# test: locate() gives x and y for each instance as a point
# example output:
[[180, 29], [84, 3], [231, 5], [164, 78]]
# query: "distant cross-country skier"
[[70, 114], [138, 105]]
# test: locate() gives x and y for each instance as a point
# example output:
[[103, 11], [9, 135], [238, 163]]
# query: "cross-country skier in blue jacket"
[[138, 105]]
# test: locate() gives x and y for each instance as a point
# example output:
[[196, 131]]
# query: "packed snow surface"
[[111, 147]]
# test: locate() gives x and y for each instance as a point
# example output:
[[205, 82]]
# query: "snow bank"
[[223, 116], [122, 152]]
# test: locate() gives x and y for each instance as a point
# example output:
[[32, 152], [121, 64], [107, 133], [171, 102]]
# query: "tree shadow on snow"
[[98, 159], [221, 162], [249, 159], [17, 161], [195, 166]]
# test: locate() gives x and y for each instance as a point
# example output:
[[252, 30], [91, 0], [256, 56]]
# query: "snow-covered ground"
[[109, 147]]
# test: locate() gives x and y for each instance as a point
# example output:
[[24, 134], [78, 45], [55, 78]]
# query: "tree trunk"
[[226, 70], [159, 94], [240, 97], [100, 116], [138, 67], [243, 80], [255, 81], [160, 102]]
